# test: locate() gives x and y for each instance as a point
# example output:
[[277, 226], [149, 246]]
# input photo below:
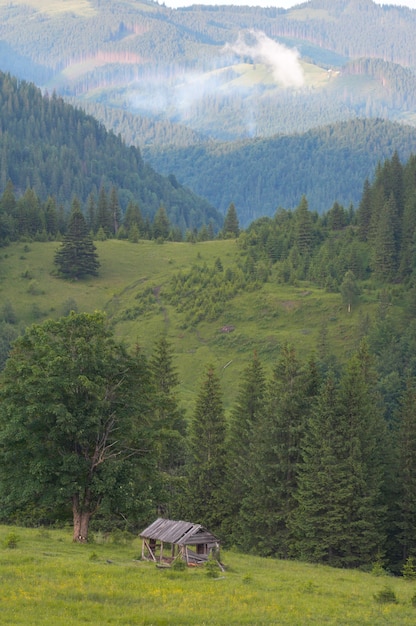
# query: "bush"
[[179, 565], [409, 569], [212, 568], [386, 596], [11, 541]]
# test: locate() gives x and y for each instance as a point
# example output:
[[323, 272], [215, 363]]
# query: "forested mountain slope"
[[58, 150], [217, 70], [327, 164]]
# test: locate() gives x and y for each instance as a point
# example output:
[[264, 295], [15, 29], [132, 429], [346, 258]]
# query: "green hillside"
[[130, 290], [147, 59], [47, 579], [59, 152], [328, 164]]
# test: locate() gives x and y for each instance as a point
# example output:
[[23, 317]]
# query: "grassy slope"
[[49, 580], [263, 320]]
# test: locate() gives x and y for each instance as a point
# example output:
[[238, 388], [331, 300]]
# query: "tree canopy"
[[74, 411], [77, 255]]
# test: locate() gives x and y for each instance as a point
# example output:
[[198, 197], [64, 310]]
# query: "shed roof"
[[179, 532]]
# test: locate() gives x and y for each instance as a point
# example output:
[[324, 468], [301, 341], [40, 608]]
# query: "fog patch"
[[259, 48]]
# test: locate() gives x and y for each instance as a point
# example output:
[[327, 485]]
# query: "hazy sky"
[[286, 4]]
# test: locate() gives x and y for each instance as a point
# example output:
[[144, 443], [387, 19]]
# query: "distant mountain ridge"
[[327, 164], [184, 65], [181, 84], [57, 150]]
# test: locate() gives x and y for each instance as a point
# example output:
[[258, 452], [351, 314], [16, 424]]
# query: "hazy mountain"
[[327, 164], [56, 150], [166, 80], [224, 72]]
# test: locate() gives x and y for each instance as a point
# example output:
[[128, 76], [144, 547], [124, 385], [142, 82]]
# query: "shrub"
[[409, 569], [386, 596], [179, 565], [11, 541], [211, 567]]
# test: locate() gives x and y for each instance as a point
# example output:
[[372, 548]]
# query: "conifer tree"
[[168, 422], [77, 256], [270, 500], [304, 233], [245, 417], [161, 224], [51, 217], [114, 210], [206, 455], [104, 219], [364, 212], [406, 447], [231, 226], [133, 217], [317, 520], [407, 248], [385, 242], [362, 432], [91, 218]]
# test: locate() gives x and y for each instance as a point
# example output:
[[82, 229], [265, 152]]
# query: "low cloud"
[[284, 62]]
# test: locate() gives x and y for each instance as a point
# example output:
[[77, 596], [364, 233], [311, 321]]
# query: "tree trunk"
[[81, 522]]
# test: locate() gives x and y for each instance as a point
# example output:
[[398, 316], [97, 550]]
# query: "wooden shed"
[[167, 540]]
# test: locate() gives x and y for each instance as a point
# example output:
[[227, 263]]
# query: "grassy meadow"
[[262, 320], [46, 579]]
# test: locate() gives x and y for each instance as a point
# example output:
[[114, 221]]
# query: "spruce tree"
[[206, 455], [271, 480], [385, 242], [161, 224], [316, 523], [245, 417], [169, 424], [231, 226], [362, 432], [104, 218], [77, 256], [406, 447], [114, 210]]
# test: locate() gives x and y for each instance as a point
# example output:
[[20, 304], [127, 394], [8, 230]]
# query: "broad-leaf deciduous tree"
[[73, 419]]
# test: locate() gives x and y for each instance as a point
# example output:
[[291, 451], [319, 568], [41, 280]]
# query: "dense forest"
[[58, 152], [145, 59], [326, 164], [315, 460]]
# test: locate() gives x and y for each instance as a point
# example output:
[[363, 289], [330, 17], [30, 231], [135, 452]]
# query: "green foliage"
[[69, 427], [179, 565], [212, 568], [205, 465], [231, 226], [329, 164], [49, 144], [386, 596], [11, 541], [77, 256], [409, 569]]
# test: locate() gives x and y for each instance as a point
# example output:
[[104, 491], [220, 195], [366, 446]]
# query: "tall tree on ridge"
[[231, 226], [169, 424], [270, 501], [77, 256], [206, 466], [245, 418]]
